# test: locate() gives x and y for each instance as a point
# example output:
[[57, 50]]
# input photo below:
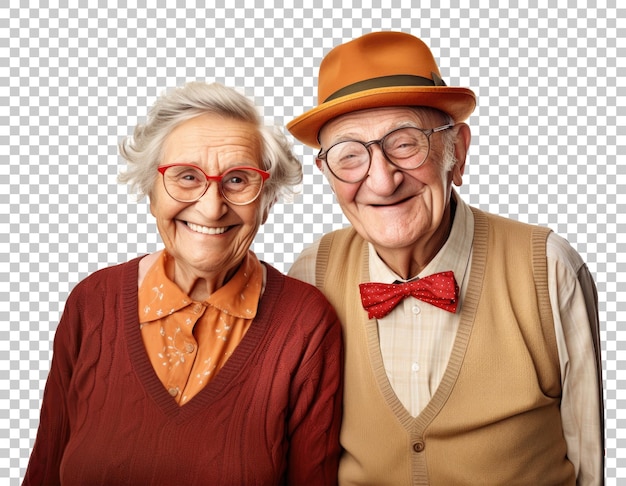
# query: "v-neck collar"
[[129, 318], [461, 342]]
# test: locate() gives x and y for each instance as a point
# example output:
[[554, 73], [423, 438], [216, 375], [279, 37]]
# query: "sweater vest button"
[[418, 446]]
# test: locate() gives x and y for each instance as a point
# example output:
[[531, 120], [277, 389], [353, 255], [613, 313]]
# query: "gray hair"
[[143, 150]]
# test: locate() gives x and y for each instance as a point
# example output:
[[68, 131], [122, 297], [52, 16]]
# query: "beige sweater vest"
[[494, 419]]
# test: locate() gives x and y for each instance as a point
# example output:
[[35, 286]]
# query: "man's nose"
[[382, 174]]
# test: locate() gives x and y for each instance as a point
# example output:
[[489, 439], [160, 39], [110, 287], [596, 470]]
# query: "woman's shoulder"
[[296, 295], [98, 294], [299, 305], [111, 276], [290, 284]]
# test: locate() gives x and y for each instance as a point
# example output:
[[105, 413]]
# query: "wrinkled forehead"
[[209, 135], [375, 122]]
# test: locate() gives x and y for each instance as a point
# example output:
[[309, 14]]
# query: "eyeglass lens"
[[188, 183], [406, 148]]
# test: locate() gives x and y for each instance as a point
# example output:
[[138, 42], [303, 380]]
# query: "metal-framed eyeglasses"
[[188, 183], [405, 147]]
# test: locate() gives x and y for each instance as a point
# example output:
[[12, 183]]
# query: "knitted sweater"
[[271, 415], [494, 419]]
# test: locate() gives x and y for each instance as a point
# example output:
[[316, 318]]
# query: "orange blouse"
[[188, 342]]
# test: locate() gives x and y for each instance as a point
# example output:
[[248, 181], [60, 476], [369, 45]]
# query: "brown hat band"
[[386, 82]]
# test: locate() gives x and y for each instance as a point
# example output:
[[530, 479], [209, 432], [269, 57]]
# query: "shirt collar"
[[454, 254], [239, 297]]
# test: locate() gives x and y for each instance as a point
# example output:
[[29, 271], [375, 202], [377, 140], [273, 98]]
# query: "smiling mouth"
[[396, 203], [205, 230]]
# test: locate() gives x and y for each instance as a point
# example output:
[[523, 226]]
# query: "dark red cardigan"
[[271, 415]]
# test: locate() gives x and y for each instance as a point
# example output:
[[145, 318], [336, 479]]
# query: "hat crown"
[[372, 56], [377, 70]]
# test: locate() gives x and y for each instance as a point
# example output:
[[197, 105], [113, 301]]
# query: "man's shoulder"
[[346, 232], [505, 221], [557, 247], [563, 253], [509, 232], [343, 236], [304, 267]]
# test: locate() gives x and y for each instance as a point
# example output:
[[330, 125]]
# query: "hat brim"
[[459, 103]]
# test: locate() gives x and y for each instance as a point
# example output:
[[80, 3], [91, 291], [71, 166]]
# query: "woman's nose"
[[212, 204]]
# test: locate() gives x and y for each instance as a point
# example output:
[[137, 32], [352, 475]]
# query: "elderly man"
[[489, 372]]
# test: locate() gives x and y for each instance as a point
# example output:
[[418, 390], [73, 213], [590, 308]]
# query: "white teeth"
[[206, 230]]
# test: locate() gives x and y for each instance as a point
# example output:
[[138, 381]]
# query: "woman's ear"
[[151, 202], [266, 210]]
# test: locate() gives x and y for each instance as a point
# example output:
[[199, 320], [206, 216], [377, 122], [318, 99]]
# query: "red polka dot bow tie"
[[439, 289]]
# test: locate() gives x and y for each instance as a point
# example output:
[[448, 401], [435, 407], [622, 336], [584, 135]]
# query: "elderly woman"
[[198, 364]]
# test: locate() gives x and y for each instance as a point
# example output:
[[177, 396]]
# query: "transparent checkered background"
[[548, 145]]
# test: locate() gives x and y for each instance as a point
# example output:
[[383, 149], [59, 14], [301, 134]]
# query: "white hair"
[[143, 149]]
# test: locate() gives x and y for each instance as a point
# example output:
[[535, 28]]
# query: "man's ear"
[[323, 169], [461, 147]]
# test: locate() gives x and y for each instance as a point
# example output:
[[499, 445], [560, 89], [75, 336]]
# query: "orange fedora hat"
[[377, 70]]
